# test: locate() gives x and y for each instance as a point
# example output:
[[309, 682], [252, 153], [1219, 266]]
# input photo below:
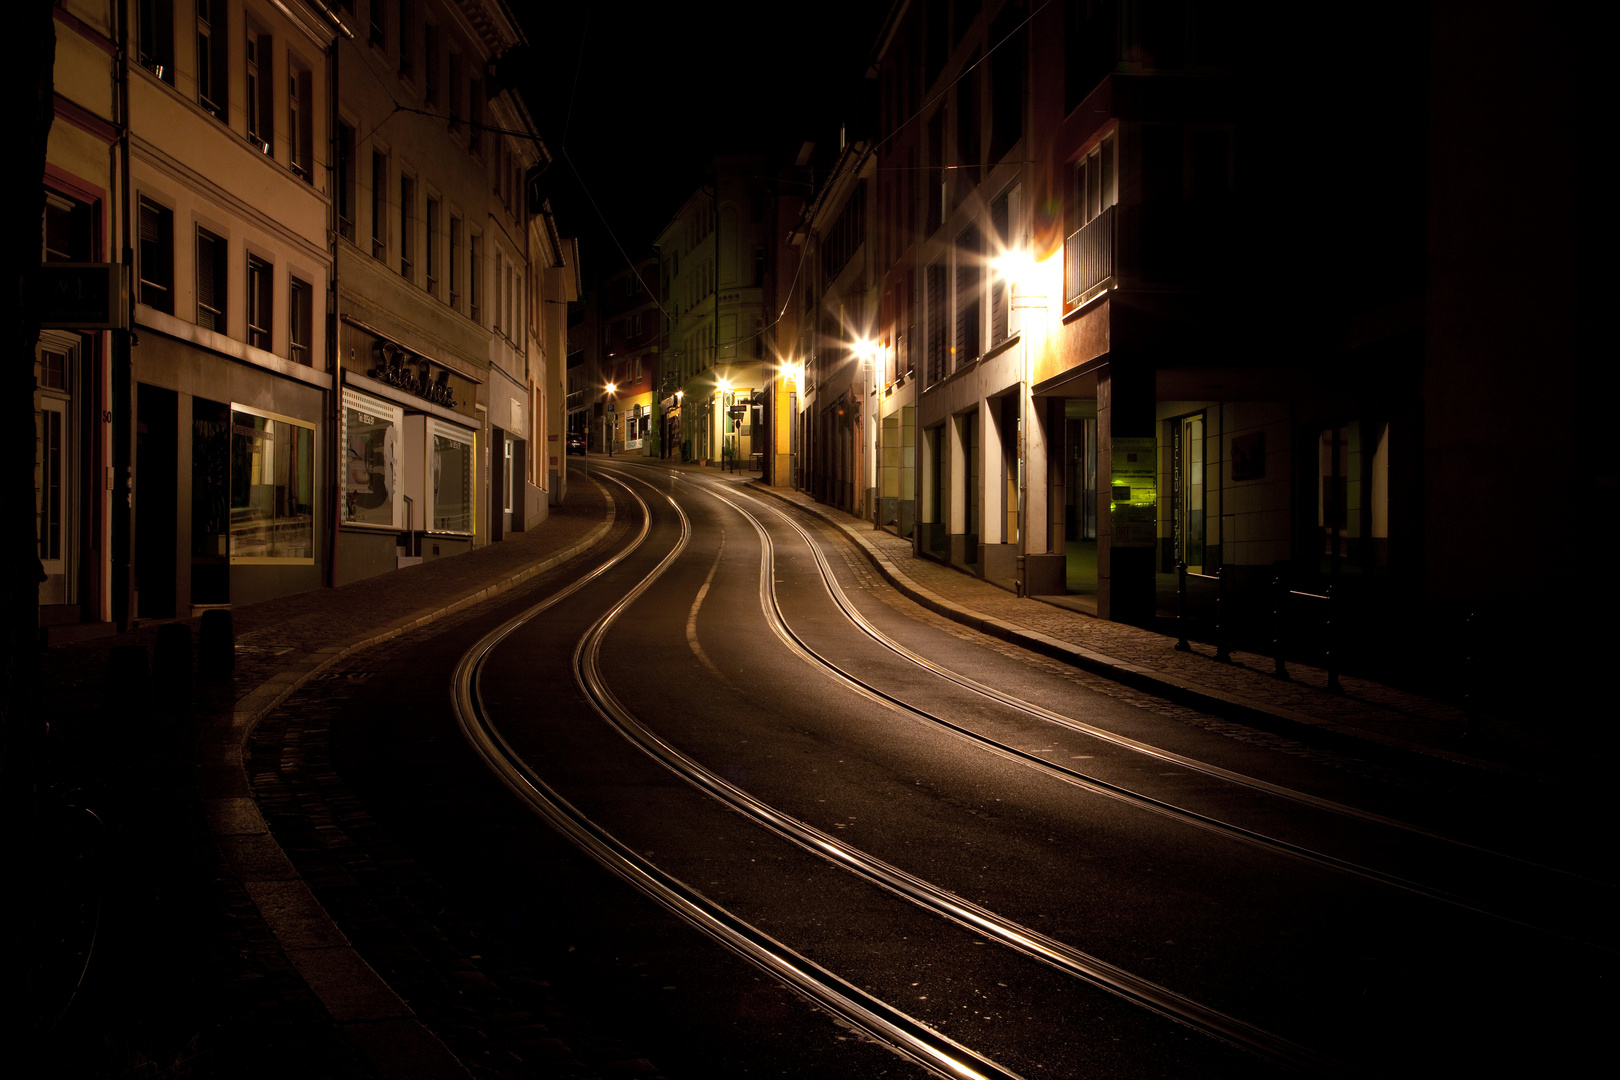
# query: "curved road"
[[998, 865]]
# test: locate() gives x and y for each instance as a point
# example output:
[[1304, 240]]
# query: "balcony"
[[1088, 259]]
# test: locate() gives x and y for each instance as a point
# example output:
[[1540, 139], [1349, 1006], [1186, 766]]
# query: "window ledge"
[[171, 326]]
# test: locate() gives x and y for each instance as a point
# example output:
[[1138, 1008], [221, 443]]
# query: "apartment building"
[[628, 372], [440, 406], [74, 502], [230, 370], [714, 258], [343, 344], [1160, 318], [838, 355]]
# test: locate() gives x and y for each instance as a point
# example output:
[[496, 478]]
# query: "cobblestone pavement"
[[217, 960]]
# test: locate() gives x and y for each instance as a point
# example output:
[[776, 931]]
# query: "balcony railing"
[[1088, 258]]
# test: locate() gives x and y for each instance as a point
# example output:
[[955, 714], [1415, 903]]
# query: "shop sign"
[[413, 374], [83, 296]]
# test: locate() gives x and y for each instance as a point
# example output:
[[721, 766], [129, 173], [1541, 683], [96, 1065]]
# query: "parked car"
[[576, 443]]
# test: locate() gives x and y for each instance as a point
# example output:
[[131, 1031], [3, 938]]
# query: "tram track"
[[861, 1010], [778, 621], [822, 987]]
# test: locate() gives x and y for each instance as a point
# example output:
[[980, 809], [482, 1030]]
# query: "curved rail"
[[1074, 962], [904, 1033], [1117, 791]]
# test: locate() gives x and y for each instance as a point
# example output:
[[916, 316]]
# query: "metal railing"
[[1282, 599], [1088, 256]]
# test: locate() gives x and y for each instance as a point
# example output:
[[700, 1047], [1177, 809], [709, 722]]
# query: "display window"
[[371, 448], [452, 477], [272, 488]]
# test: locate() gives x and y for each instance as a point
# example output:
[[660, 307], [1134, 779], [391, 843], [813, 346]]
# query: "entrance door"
[[1187, 490], [55, 363]]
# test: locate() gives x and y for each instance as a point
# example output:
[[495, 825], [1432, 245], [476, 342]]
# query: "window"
[[475, 115], [432, 246], [508, 475], [345, 180], [407, 227], [260, 286], [455, 262], [155, 257], [378, 34], [260, 91], [452, 465], [55, 364], [300, 322], [969, 259], [156, 38], [371, 433], [379, 204], [968, 149], [272, 488], [1006, 223], [1007, 35], [301, 120], [213, 71], [500, 310], [210, 281], [455, 90], [475, 280], [1095, 186], [936, 300], [407, 39], [430, 63], [69, 229]]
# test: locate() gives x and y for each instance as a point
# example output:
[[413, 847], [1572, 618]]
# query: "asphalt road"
[[1390, 950]]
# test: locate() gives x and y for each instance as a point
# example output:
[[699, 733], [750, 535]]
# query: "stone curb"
[[377, 1022]]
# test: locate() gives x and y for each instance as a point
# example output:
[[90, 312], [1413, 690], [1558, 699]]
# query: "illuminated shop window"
[[370, 470], [272, 488], [452, 465]]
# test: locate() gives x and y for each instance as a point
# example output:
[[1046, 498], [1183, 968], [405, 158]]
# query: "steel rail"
[[901, 1032], [1147, 801], [1064, 957]]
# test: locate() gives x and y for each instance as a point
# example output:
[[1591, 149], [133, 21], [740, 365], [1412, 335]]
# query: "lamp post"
[[612, 419]]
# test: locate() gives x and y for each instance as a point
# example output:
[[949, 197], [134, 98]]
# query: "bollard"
[[216, 645], [1223, 652], [171, 666], [1279, 600], [1181, 607], [1330, 635], [127, 691]]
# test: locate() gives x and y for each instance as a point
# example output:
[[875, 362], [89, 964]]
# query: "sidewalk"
[[220, 962]]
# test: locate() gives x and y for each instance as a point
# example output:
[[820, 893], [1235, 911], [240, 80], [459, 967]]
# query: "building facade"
[[715, 255], [628, 376], [1157, 323], [337, 354], [231, 371], [433, 304]]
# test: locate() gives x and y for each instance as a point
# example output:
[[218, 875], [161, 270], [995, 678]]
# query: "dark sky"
[[633, 99]]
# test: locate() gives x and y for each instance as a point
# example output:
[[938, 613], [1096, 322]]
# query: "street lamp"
[[613, 420]]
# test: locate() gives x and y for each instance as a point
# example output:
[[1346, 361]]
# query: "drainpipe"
[[121, 399], [335, 470]]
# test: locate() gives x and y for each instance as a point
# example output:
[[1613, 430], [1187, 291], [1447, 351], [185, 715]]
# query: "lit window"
[[272, 488], [370, 481]]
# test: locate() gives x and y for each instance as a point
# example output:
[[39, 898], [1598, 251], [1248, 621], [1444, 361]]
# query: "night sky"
[[633, 108]]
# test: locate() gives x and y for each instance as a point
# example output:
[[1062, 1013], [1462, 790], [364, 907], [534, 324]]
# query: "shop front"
[[408, 475]]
